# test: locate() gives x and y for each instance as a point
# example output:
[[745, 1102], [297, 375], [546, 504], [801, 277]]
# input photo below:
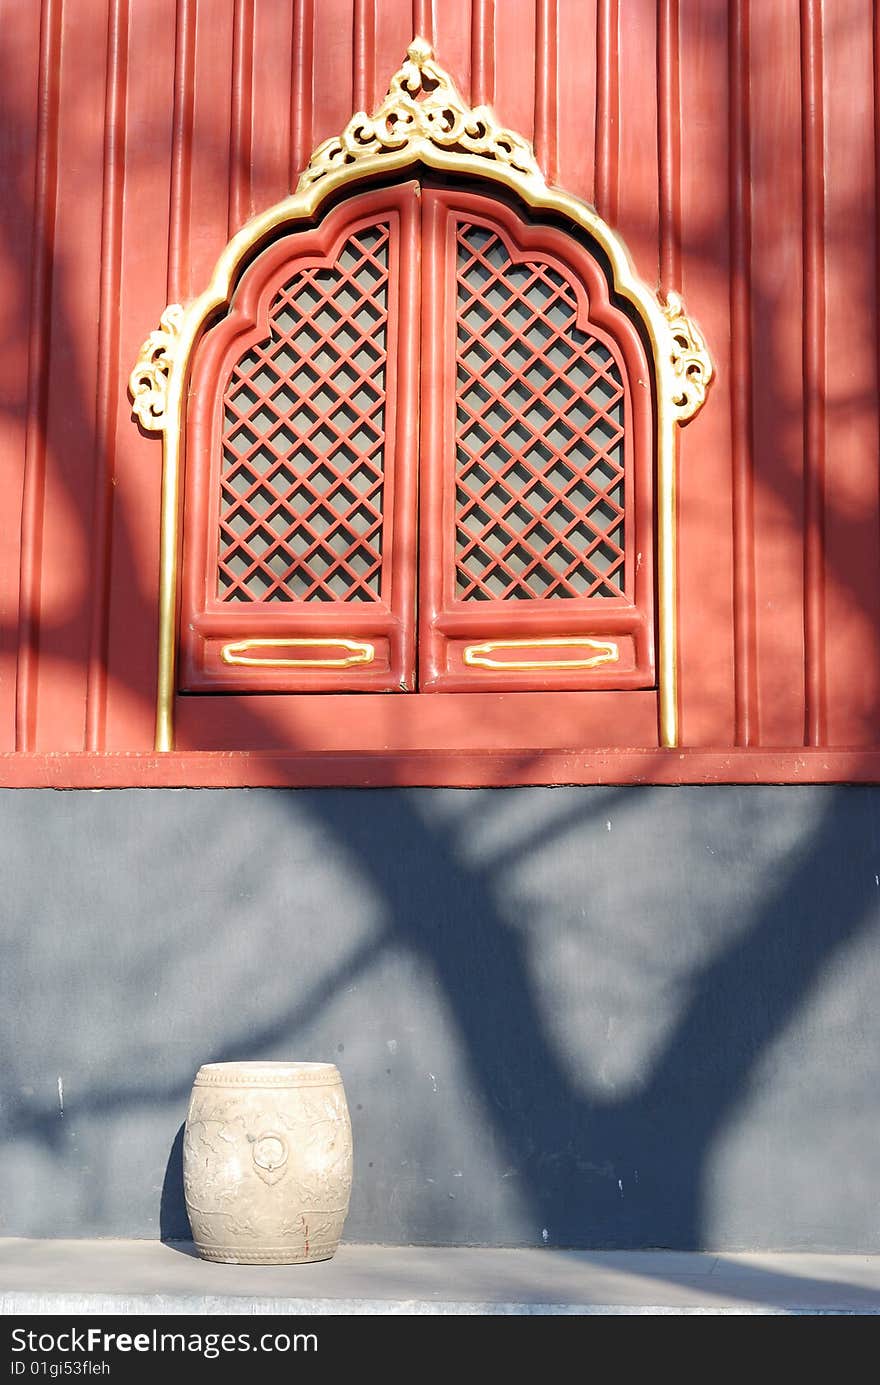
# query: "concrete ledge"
[[147, 1277]]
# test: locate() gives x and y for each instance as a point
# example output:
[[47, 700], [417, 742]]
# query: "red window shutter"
[[299, 566], [529, 478], [537, 461]]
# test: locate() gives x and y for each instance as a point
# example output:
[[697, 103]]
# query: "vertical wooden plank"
[[607, 135], [483, 53], [747, 730], [515, 66], [546, 88], [212, 107], [153, 165], [638, 214], [302, 71], [332, 96], [39, 337], [364, 54], [19, 120], [812, 100], [181, 159], [108, 367], [70, 380], [576, 38], [423, 19], [852, 538], [241, 128], [695, 262], [273, 32], [451, 26], [394, 33], [777, 311], [669, 143]]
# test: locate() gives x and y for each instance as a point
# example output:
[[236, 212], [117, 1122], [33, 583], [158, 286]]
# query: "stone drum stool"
[[267, 1162]]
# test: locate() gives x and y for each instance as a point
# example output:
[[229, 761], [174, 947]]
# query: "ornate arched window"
[[419, 436]]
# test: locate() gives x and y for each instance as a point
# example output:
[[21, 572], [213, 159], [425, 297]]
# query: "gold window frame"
[[422, 120]]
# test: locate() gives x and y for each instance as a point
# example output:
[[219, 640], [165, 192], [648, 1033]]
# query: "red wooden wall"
[[736, 148]]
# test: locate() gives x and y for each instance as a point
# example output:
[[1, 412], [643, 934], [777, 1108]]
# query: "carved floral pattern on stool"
[[267, 1162]]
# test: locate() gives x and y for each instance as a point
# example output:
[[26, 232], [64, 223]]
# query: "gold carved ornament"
[[602, 652], [423, 104], [239, 652], [148, 382], [691, 366], [423, 119]]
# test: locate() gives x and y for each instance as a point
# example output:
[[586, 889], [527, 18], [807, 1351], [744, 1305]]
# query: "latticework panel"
[[301, 490], [539, 435]]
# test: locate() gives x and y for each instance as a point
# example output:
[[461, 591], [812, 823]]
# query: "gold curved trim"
[[362, 652], [477, 655], [425, 120]]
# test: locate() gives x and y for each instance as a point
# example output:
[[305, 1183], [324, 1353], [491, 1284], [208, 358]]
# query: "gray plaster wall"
[[588, 1017]]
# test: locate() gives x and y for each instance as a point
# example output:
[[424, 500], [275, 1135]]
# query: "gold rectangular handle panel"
[[360, 652], [478, 655]]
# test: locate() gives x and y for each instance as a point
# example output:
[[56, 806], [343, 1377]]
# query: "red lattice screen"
[[537, 461], [539, 435], [520, 474], [301, 487], [298, 570]]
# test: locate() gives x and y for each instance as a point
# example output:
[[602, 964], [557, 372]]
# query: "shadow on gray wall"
[[576, 1017], [173, 1221]]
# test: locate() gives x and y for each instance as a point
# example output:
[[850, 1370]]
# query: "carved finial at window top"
[[423, 106]]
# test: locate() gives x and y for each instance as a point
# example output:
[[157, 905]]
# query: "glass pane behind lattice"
[[539, 435], [304, 439]]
